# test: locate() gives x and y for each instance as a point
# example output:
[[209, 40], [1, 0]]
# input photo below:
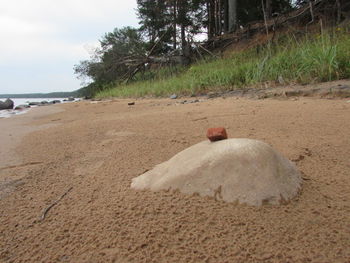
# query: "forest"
[[177, 33]]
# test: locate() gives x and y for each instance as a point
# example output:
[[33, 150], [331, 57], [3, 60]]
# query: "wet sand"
[[95, 149]]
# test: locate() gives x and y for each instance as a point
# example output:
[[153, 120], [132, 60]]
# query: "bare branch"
[[47, 209]]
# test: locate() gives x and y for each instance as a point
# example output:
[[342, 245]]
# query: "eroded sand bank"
[[98, 148]]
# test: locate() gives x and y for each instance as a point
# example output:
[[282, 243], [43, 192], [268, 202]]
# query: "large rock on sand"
[[234, 170], [6, 105]]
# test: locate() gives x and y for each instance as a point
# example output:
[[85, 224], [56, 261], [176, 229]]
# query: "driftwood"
[[47, 209]]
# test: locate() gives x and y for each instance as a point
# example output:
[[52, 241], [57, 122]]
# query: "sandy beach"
[[65, 175]]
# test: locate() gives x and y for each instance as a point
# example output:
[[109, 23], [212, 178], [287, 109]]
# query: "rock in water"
[[34, 103], [234, 170], [6, 105], [22, 107]]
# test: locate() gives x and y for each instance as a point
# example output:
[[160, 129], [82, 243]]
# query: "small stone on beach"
[[216, 134]]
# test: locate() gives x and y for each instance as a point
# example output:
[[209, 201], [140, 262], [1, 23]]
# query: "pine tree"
[[179, 20], [156, 22]]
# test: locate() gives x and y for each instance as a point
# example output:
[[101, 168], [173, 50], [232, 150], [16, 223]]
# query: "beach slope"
[[72, 200]]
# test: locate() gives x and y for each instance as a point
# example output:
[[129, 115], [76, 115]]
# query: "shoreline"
[[24, 107], [88, 152]]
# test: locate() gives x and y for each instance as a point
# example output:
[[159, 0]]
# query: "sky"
[[42, 40]]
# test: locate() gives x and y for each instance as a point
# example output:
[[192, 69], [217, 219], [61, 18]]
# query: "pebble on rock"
[[216, 134]]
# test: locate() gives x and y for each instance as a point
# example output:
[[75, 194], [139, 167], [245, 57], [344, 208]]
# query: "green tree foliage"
[[181, 20], [108, 63], [155, 23], [172, 21], [167, 27]]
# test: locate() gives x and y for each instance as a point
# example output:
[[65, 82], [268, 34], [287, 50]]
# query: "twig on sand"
[[47, 209]]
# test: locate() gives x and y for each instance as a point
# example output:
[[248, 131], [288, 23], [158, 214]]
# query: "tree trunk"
[[338, 11], [216, 17], [184, 46], [174, 23], [268, 9], [182, 10], [265, 18], [219, 18], [211, 18], [183, 39], [225, 7], [232, 15]]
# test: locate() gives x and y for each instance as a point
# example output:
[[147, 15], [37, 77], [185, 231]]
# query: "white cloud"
[[42, 31], [67, 9], [12, 26], [28, 50]]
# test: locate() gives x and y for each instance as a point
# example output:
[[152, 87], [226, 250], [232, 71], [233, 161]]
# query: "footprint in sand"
[[115, 133], [92, 161], [116, 136]]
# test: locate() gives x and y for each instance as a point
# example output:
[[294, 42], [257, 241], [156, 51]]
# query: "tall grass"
[[313, 59]]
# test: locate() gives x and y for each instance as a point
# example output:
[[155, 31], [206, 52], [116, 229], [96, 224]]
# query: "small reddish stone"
[[216, 134]]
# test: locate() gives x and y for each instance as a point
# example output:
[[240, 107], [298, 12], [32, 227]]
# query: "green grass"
[[314, 59]]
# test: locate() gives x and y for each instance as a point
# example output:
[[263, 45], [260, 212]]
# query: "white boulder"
[[234, 170]]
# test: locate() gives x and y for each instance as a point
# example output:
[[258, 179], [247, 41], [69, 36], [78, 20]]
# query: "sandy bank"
[[98, 148]]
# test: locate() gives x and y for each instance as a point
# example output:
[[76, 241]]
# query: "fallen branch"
[[47, 209], [206, 50], [141, 64]]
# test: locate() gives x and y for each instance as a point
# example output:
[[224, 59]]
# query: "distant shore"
[[40, 95]]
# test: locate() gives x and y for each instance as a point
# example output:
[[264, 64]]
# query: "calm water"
[[21, 101]]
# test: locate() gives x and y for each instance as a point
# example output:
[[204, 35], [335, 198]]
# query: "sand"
[[12, 131], [98, 148]]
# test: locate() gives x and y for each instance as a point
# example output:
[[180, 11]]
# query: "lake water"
[[22, 101]]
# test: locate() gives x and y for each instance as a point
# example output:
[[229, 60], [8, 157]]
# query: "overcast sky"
[[41, 40]]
